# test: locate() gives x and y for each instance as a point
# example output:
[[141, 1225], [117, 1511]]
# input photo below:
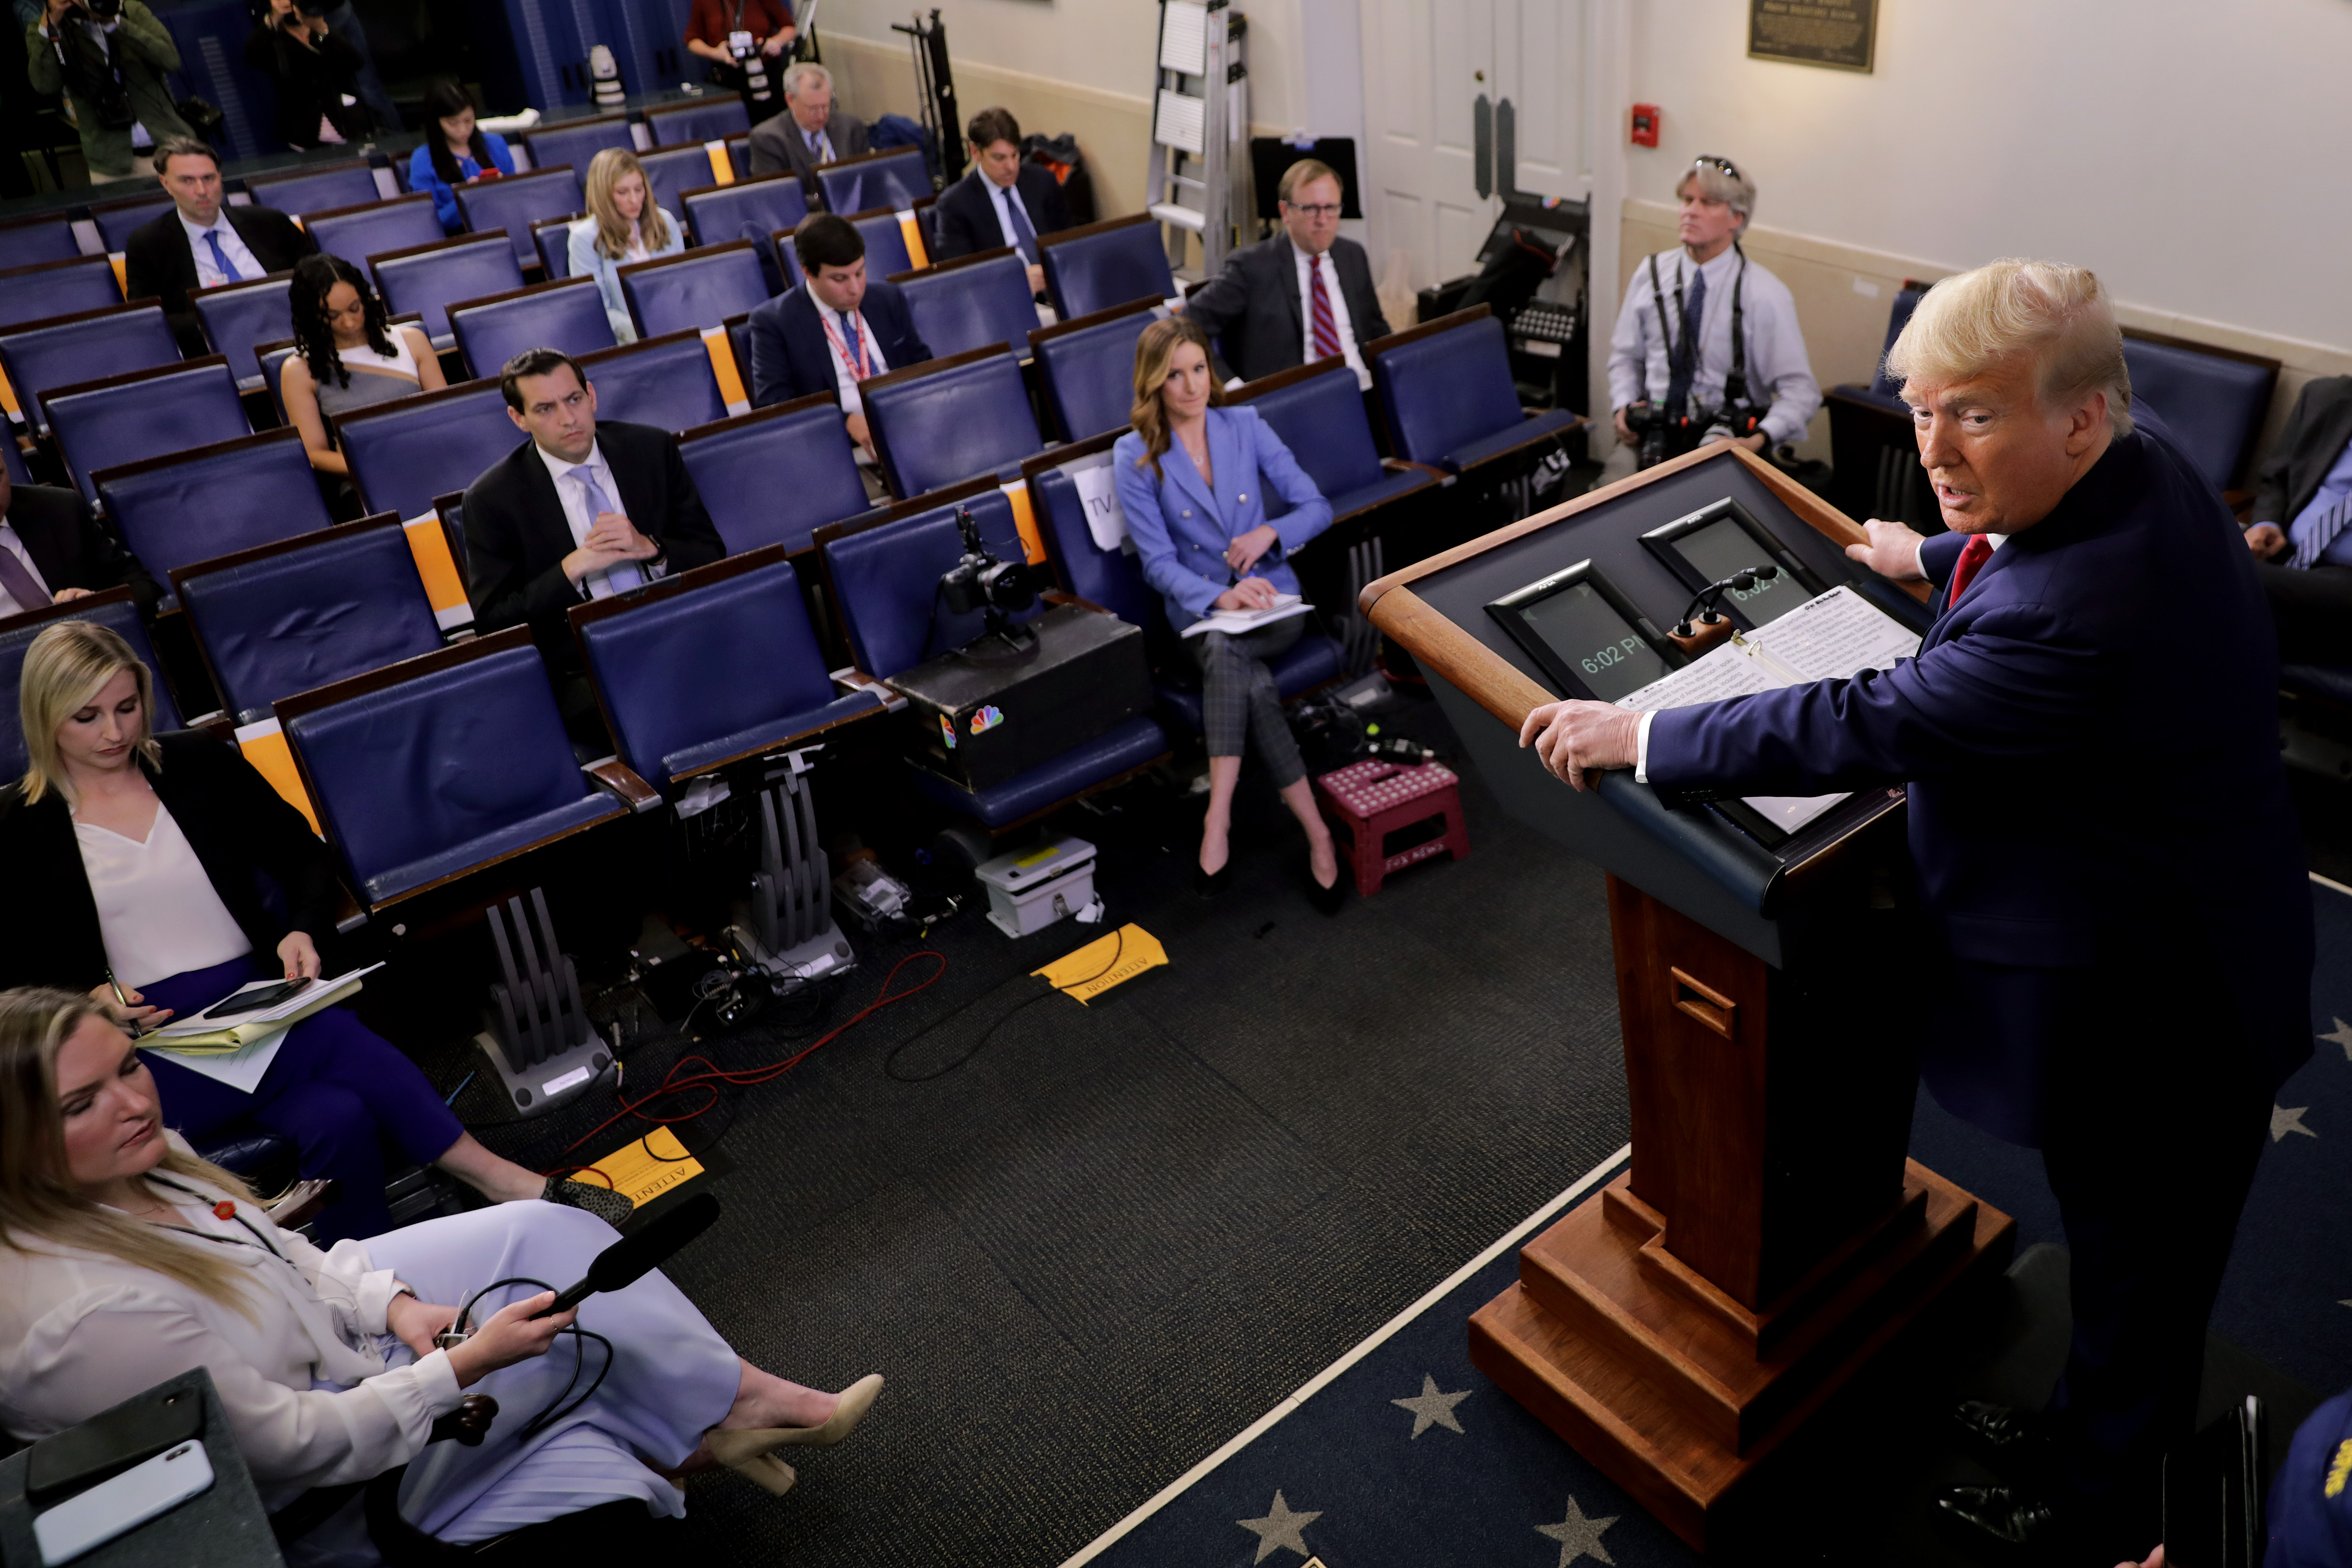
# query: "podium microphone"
[[630, 1258]]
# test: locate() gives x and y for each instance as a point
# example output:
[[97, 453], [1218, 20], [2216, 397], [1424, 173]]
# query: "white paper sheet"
[[1098, 494], [1236, 621], [241, 1070]]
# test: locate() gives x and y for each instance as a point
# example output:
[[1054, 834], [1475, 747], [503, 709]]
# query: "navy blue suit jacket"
[[2090, 743], [788, 356]]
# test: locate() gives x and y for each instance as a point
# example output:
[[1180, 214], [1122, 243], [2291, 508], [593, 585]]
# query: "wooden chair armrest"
[[1056, 597], [468, 1424], [633, 791], [298, 1204], [852, 678], [1399, 466]]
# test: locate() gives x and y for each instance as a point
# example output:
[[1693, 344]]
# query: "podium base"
[[1677, 1392]]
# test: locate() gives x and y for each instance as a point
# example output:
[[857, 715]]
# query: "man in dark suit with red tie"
[[836, 329], [1304, 295], [2102, 839]]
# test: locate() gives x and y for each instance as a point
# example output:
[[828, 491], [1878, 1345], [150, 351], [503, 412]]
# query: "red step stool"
[[1367, 801]]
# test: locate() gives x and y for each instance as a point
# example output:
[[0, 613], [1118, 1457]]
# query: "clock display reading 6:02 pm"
[[1619, 652]]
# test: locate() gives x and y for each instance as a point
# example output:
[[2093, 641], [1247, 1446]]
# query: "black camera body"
[[1663, 433], [981, 583], [86, 59]]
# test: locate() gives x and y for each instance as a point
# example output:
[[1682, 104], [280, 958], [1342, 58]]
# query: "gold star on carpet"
[[1280, 1528], [2285, 1121], [1431, 1408], [1579, 1536]]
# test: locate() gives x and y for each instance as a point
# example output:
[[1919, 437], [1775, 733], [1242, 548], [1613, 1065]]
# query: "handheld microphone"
[[630, 1258]]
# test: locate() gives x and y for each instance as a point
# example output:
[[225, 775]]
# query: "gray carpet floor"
[[1123, 1231]]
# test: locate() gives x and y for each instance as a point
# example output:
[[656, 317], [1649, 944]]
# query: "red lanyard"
[[857, 362]]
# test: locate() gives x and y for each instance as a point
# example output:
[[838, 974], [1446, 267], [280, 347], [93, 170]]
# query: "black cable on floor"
[[890, 1063]]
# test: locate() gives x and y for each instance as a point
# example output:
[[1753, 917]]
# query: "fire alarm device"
[[1645, 125]]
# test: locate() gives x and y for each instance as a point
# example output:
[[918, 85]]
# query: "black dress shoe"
[[1999, 1433], [1326, 899], [1209, 884], [2007, 1514]]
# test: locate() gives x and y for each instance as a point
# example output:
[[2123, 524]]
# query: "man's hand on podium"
[[1576, 739], [1892, 552]]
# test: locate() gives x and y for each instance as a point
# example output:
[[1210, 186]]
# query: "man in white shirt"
[[203, 243], [1304, 295], [1678, 373], [835, 330], [1004, 201]]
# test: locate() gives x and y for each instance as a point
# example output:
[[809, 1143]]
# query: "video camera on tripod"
[[981, 583]]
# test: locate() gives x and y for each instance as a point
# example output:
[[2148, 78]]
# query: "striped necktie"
[[1327, 325], [2320, 534]]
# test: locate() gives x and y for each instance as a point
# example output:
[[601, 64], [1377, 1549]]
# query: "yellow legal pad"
[[1082, 973], [645, 1169]]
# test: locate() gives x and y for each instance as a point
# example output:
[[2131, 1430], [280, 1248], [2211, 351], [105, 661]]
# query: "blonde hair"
[[2058, 314], [1154, 350], [38, 1200], [608, 169], [63, 671], [1305, 171]]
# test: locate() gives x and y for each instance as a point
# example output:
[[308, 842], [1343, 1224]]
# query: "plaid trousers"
[[1238, 697]]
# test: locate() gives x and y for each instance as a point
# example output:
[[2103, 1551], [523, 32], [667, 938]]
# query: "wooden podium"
[[1771, 1237]]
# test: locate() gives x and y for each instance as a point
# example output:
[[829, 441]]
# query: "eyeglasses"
[[1712, 161], [1317, 210]]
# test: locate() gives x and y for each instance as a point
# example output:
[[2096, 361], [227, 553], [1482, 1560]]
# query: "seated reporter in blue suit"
[[1193, 478], [834, 330], [2101, 835]]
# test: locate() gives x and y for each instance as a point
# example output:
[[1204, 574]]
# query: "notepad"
[[1838, 634], [1235, 622], [208, 1033]]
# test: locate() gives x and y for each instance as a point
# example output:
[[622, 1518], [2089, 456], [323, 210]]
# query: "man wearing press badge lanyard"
[[835, 332]]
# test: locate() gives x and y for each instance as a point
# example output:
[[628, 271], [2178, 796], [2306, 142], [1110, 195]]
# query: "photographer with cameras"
[[109, 58], [316, 73], [1707, 345], [746, 42]]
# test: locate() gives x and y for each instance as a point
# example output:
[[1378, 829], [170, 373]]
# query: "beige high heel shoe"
[[750, 1451]]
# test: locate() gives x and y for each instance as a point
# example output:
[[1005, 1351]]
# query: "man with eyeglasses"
[[1707, 343], [1302, 296]]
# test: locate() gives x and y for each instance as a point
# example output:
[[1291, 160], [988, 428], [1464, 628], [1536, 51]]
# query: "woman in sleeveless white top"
[[338, 364]]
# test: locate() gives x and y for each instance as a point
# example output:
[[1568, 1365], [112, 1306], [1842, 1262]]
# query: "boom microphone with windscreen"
[[630, 1258]]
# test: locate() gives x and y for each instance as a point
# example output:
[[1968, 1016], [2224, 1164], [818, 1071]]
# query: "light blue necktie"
[[2320, 535], [615, 579], [229, 274]]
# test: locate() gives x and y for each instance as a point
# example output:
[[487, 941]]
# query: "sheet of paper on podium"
[[1838, 634]]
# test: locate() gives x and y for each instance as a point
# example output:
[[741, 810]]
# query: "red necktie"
[[1327, 326], [1973, 554]]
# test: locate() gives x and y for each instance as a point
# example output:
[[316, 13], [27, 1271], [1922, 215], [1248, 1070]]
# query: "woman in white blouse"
[[624, 224], [125, 1261]]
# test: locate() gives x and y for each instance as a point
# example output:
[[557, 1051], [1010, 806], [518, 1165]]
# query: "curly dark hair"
[[315, 278]]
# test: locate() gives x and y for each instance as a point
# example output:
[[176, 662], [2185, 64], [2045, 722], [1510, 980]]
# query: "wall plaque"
[[1838, 34]]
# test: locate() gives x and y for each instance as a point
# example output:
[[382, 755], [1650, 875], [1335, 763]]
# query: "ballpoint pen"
[[130, 1023]]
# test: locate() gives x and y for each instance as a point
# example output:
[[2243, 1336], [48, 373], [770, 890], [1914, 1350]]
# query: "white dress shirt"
[[208, 272], [158, 911], [837, 343], [1777, 370], [580, 517], [1338, 314], [302, 1380], [16, 547]]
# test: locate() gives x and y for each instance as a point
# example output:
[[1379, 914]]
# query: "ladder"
[[1200, 129]]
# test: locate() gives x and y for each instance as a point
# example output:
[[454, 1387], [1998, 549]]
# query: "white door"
[[1426, 62]]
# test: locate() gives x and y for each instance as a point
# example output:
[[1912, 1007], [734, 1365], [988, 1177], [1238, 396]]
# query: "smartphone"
[[254, 1001], [113, 1507]]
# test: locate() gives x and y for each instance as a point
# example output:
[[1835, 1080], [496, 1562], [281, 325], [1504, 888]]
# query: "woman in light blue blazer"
[[624, 225], [1193, 478]]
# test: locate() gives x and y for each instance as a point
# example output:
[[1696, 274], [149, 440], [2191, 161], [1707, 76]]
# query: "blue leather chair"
[[567, 315], [290, 617], [48, 288], [698, 289], [12, 459], [1873, 457], [405, 452], [671, 172], [444, 763], [946, 420], [428, 279], [788, 259], [552, 237], [186, 507], [1087, 367], [710, 666], [28, 241], [372, 227], [884, 579], [886, 242], [1114, 580], [1446, 391], [2213, 400], [301, 191], [238, 316], [896, 178], [665, 381], [517, 202], [143, 413], [82, 347], [577, 143], [775, 476], [709, 119], [738, 153], [720, 212], [112, 609], [1319, 412], [1099, 265], [972, 302], [117, 219]]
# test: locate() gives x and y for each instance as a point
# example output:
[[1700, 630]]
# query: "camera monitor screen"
[[1584, 634], [1720, 541]]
